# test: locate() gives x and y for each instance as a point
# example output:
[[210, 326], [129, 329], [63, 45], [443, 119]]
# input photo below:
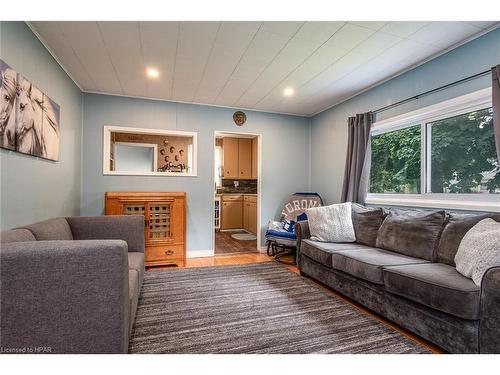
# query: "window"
[[396, 161], [440, 156], [463, 154]]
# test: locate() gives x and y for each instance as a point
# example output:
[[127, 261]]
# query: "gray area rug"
[[255, 308]]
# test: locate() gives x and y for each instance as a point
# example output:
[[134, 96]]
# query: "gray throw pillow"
[[412, 232], [479, 250], [366, 222], [331, 223]]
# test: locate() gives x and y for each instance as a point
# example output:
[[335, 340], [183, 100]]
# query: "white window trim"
[[122, 129], [463, 104]]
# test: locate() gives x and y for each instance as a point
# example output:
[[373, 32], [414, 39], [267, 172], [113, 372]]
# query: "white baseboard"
[[199, 253]]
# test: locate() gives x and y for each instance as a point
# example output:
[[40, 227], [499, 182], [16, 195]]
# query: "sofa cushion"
[[322, 252], [136, 262], [367, 221], [51, 230], [453, 233], [414, 233], [368, 263], [436, 285], [16, 235]]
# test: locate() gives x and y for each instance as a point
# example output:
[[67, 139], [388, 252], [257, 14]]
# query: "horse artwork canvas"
[[29, 119], [7, 109]]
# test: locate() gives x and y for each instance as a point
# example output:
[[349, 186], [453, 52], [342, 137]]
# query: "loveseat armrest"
[[64, 297], [302, 232], [489, 325], [129, 228]]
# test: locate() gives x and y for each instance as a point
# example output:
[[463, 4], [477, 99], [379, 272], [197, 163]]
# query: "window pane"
[[463, 154], [396, 161]]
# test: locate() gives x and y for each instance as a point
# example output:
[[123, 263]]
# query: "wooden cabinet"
[[250, 214], [230, 156], [255, 156], [244, 158], [232, 212], [239, 158], [165, 223]]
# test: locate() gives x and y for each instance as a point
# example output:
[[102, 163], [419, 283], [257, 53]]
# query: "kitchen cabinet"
[[239, 157], [244, 158], [232, 212], [255, 156], [230, 157], [250, 214]]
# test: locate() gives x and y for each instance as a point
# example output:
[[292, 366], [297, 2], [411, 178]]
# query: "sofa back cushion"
[[51, 230], [414, 233], [16, 235], [367, 222], [453, 233]]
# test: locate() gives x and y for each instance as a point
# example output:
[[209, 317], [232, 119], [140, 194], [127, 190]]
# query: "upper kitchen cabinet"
[[230, 157], [239, 158], [255, 152], [244, 158]]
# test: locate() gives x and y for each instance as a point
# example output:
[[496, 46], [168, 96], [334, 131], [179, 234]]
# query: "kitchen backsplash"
[[244, 186]]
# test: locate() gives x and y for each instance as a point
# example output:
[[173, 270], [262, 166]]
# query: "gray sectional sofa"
[[402, 267], [71, 285]]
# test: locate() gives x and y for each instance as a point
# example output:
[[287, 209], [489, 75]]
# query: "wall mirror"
[[151, 152]]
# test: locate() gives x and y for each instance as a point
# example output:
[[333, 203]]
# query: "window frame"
[[474, 101]]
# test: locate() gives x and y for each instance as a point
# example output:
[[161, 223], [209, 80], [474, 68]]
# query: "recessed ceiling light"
[[288, 91], [152, 73]]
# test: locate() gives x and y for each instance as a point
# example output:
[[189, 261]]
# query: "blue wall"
[[285, 152], [35, 189], [329, 128]]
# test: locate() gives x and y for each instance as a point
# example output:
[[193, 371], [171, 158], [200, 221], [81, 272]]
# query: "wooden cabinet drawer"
[[250, 198], [164, 252], [228, 198]]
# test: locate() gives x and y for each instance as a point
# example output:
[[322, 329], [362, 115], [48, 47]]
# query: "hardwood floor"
[[254, 257], [225, 244]]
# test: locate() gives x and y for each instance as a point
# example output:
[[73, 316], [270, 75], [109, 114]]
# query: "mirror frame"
[[164, 132]]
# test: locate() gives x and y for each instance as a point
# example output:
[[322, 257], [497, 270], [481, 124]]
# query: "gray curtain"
[[357, 165], [495, 74]]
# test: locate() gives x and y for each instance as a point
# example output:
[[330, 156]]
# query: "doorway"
[[236, 215]]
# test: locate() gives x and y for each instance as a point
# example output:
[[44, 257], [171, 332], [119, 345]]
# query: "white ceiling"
[[247, 64]]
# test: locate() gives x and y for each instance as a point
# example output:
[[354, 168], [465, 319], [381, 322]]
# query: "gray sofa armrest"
[[302, 232], [489, 325], [129, 228], [64, 296]]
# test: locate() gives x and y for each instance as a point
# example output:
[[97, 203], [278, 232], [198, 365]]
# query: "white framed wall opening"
[[237, 192], [439, 156]]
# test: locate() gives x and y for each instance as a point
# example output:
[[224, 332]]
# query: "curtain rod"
[[431, 91]]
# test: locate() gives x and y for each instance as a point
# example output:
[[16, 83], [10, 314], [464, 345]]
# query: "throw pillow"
[[288, 225], [366, 222], [331, 223], [479, 250]]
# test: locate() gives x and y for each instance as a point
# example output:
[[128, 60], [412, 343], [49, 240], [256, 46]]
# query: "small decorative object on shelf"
[[239, 118], [165, 223]]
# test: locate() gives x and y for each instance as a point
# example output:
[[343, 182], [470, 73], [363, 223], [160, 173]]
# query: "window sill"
[[418, 201]]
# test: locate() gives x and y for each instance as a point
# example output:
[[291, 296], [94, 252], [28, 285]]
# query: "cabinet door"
[[159, 221], [230, 157], [252, 217], [255, 156], [246, 209], [232, 214], [244, 158]]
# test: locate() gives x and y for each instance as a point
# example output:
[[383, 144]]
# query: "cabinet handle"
[[169, 252]]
